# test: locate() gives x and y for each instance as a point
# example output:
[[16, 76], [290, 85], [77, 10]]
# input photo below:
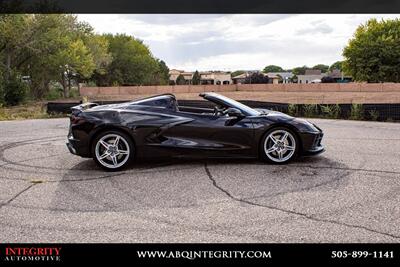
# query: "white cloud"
[[230, 42]]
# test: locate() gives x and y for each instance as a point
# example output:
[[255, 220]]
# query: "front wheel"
[[112, 150], [279, 146]]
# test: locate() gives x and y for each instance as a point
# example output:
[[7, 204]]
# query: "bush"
[[374, 114], [327, 79], [356, 112], [293, 109], [54, 93], [310, 110], [74, 93], [331, 111], [14, 91]]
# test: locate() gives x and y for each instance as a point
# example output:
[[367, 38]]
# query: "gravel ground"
[[350, 193]]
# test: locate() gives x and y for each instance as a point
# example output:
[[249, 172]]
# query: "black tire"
[[125, 141], [262, 149]]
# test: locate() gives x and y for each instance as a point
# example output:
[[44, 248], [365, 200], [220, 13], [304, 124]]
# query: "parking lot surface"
[[350, 193]]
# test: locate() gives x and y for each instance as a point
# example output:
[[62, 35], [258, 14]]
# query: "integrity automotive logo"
[[31, 254]]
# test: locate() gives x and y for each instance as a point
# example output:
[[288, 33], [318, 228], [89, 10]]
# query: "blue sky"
[[244, 41]]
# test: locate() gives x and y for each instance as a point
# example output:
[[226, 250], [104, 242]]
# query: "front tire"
[[279, 146], [113, 150]]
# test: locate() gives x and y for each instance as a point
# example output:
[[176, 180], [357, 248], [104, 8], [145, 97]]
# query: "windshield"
[[233, 103]]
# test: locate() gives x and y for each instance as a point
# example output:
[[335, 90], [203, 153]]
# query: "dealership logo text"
[[32, 254]]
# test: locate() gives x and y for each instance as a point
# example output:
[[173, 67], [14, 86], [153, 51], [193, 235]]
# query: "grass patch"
[[32, 110]]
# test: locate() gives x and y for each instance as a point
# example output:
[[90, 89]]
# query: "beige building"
[[311, 76], [215, 77], [206, 77], [273, 77]]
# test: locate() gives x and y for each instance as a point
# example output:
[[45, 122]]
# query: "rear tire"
[[279, 145], [113, 150]]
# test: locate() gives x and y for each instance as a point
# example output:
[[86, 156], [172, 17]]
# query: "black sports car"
[[114, 135]]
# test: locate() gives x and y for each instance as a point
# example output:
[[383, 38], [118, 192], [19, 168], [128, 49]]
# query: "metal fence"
[[380, 112]]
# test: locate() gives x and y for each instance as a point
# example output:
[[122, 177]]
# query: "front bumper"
[[312, 143]]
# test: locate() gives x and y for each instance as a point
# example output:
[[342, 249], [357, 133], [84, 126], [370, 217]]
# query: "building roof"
[[312, 72], [175, 71], [240, 76], [284, 75]]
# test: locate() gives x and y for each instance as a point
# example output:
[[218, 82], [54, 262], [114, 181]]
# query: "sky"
[[230, 42]]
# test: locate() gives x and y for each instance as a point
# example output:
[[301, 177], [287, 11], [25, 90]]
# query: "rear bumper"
[[75, 147]]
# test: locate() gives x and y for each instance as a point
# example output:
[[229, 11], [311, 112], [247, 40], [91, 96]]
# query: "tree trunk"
[[69, 83], [64, 85]]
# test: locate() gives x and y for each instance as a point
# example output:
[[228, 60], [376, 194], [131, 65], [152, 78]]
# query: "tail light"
[[76, 119]]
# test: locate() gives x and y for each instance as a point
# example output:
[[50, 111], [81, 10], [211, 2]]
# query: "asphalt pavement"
[[350, 193]]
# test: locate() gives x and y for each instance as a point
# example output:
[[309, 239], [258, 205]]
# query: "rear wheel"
[[279, 145], [112, 150]]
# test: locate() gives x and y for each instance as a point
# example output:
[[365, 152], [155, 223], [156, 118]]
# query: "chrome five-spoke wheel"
[[279, 145], [112, 150]]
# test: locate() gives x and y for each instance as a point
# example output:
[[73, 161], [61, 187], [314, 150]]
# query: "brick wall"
[[282, 93]]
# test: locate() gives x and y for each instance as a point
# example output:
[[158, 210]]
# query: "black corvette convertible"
[[114, 135]]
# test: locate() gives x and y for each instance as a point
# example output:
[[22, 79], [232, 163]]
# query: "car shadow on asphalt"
[[89, 164], [186, 183]]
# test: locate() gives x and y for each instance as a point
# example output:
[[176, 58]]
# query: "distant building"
[[311, 76], [241, 78], [173, 74], [273, 77], [280, 77], [206, 77], [338, 77], [215, 77]]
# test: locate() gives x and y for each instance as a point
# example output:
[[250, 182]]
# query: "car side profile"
[[114, 135]]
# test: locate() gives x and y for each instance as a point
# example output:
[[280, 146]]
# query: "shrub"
[[330, 111], [54, 93], [74, 93], [14, 90], [293, 109], [356, 112], [310, 110], [374, 114], [327, 79]]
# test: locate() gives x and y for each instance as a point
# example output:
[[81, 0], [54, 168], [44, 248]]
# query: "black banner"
[[255, 254], [203, 6]]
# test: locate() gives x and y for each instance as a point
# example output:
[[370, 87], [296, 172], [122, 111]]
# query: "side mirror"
[[234, 112]]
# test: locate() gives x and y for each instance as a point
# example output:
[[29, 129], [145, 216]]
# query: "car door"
[[214, 136]]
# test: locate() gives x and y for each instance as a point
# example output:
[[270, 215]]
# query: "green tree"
[[14, 90], [272, 68], [323, 68], [256, 77], [16, 34], [132, 62], [372, 55], [338, 65], [180, 80], [300, 70], [237, 72], [49, 47], [75, 59], [196, 78], [162, 74]]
